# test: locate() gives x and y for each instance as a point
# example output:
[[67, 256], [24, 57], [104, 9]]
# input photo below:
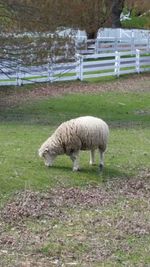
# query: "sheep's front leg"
[[75, 159], [92, 157], [101, 165]]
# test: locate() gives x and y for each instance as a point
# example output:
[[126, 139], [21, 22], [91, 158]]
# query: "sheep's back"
[[84, 133], [93, 132]]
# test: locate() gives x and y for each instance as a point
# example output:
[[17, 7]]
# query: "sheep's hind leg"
[[101, 165], [92, 157], [75, 159]]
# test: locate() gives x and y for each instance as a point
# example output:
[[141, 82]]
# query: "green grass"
[[111, 233], [137, 22], [25, 127], [114, 107], [22, 169]]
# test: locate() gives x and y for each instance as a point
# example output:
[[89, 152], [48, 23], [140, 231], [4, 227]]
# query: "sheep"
[[82, 133]]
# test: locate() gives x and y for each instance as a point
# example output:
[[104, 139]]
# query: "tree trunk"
[[117, 7], [91, 35]]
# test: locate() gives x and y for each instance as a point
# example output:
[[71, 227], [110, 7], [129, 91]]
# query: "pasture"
[[54, 217]]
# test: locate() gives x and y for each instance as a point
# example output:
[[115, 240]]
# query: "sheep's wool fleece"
[[83, 133]]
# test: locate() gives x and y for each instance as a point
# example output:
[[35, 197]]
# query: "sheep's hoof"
[[76, 169], [101, 166]]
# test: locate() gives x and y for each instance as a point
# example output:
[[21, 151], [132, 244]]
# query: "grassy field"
[[54, 217], [137, 23]]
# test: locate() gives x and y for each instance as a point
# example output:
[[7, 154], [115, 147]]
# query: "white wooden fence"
[[111, 45], [124, 35], [84, 67], [113, 64], [111, 40]]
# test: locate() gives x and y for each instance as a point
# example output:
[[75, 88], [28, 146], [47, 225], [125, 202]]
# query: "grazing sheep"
[[83, 133]]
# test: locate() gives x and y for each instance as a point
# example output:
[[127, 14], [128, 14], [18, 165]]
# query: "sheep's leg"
[[101, 165], [92, 157], [75, 159]]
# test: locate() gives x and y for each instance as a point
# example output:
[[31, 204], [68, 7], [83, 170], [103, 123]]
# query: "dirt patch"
[[76, 226], [48, 204], [15, 96]]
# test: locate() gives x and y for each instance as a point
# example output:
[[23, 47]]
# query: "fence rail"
[[102, 45], [84, 67]]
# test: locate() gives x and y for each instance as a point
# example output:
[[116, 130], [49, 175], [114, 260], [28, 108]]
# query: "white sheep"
[[83, 133]]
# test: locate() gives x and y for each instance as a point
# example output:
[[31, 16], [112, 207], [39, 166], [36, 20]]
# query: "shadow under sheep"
[[93, 171]]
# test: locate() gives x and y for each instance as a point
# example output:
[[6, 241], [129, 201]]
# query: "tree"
[[83, 14], [117, 7], [48, 15], [6, 17], [137, 7]]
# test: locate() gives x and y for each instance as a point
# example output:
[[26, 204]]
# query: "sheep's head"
[[47, 156]]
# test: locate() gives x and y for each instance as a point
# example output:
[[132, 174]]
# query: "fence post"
[[50, 70], [115, 45], [96, 46], [18, 75], [66, 50], [79, 67], [132, 42], [148, 43], [137, 60], [117, 63]]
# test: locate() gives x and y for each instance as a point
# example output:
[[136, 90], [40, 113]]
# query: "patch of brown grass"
[[76, 226], [13, 96]]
